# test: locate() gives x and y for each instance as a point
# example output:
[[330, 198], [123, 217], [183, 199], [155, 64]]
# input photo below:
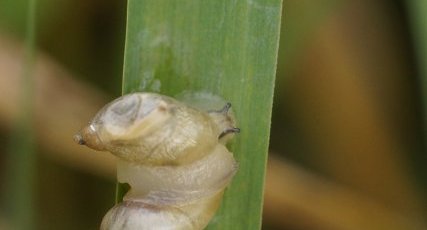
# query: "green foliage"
[[228, 48]]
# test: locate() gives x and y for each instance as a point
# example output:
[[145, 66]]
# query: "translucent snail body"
[[172, 155]]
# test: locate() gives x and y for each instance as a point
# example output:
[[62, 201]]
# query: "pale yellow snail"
[[172, 155]]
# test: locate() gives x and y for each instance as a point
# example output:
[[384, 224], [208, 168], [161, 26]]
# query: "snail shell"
[[172, 155]]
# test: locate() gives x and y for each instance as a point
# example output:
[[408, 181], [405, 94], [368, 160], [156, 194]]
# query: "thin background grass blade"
[[228, 48], [417, 11], [20, 180]]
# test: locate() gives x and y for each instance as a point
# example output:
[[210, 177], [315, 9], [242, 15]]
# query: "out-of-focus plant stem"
[[19, 194]]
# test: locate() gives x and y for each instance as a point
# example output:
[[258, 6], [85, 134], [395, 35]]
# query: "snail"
[[171, 154]]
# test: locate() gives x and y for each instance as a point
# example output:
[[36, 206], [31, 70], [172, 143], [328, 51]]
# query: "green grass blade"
[[417, 10], [228, 48], [20, 181]]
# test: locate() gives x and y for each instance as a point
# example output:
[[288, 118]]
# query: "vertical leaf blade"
[[21, 159], [417, 11], [227, 48]]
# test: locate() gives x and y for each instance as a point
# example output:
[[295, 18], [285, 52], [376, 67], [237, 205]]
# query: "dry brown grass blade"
[[62, 106], [294, 197]]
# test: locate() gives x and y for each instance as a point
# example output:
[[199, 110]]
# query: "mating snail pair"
[[172, 155]]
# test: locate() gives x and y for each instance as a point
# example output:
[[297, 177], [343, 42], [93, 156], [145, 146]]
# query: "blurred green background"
[[348, 136]]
